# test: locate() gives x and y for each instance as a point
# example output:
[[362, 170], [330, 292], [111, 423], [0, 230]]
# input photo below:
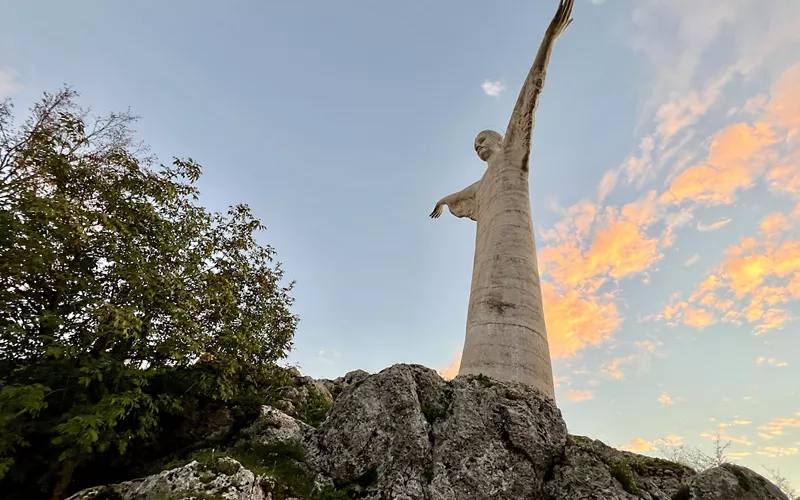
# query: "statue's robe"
[[506, 337]]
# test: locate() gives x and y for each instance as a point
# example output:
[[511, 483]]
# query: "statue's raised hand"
[[437, 210], [562, 19]]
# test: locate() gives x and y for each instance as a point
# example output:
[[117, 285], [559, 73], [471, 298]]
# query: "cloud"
[[559, 381], [575, 321], [607, 184], [9, 82], [612, 369], [737, 156], [722, 436], [578, 396], [693, 259], [637, 445], [714, 226], [776, 451], [771, 361], [666, 400], [670, 440], [327, 357], [450, 371], [492, 87], [783, 108], [776, 427], [756, 277]]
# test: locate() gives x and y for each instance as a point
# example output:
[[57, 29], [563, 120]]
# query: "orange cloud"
[[783, 108], [727, 437], [774, 224], [776, 451], [578, 396], [450, 372], [612, 368], [784, 176], [637, 445], [575, 320], [771, 361], [755, 277], [558, 381], [737, 156], [775, 427], [698, 318], [665, 400]]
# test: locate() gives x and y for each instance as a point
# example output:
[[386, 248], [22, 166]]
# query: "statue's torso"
[[502, 185], [506, 337]]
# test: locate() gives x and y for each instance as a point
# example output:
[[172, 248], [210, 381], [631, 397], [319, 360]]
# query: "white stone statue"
[[506, 337]]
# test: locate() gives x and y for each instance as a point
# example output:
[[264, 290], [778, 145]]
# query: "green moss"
[[624, 475], [314, 409], [683, 493], [643, 465]]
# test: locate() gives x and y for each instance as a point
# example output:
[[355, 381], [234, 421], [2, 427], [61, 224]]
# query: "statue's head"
[[486, 143]]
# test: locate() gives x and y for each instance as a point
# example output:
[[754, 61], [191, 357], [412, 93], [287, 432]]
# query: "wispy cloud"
[[328, 357], [578, 396], [666, 400], [771, 362], [9, 82], [693, 259], [776, 426], [714, 226], [492, 87]]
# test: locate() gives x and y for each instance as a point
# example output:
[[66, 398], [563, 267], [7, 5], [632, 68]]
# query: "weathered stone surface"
[[300, 392], [275, 426], [589, 469], [731, 481], [225, 479], [405, 433], [506, 338]]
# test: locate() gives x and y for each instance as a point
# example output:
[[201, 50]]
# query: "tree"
[[113, 285]]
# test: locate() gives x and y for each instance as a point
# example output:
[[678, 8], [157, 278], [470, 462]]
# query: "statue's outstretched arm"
[[461, 204], [520, 127]]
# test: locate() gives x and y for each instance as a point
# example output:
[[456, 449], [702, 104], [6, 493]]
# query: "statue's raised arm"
[[520, 127]]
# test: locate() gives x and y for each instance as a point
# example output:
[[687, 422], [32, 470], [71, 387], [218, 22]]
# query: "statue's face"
[[487, 143]]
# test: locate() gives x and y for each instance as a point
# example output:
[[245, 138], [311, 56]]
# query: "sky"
[[665, 181]]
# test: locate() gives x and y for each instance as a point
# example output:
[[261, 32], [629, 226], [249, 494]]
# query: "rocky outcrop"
[[406, 434], [223, 478]]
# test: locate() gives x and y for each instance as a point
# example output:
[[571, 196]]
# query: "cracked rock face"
[[225, 479], [406, 434]]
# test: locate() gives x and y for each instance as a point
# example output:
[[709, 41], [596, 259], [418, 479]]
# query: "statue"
[[506, 337]]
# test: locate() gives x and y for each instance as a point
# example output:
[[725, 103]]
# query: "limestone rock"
[[275, 426], [731, 481], [224, 479], [589, 469], [405, 433]]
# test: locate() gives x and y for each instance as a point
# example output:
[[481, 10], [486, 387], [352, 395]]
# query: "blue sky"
[[665, 180]]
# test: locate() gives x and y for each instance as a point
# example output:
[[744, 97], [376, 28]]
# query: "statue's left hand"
[[437, 211], [562, 19]]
